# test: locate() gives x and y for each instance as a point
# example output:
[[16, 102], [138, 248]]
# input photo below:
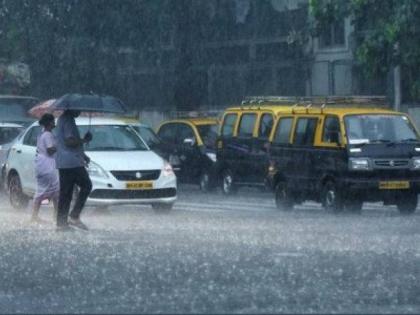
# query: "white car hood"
[[126, 160]]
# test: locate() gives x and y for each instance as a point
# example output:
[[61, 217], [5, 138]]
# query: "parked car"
[[343, 156], [189, 145], [14, 109], [242, 146], [123, 169], [8, 133]]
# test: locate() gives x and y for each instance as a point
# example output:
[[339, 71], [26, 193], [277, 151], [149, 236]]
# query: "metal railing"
[[346, 101]]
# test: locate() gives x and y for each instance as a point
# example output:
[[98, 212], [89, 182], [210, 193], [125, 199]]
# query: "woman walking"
[[45, 170]]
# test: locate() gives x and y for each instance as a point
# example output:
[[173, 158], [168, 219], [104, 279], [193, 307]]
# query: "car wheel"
[[407, 204], [228, 187], [162, 207], [331, 197], [283, 199], [17, 198]]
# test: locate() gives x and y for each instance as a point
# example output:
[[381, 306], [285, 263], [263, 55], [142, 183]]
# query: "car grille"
[[132, 194], [391, 163], [131, 175]]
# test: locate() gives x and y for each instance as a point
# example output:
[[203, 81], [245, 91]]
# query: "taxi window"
[[305, 131], [228, 124], [246, 126], [266, 124], [284, 127], [331, 131], [167, 133], [185, 132]]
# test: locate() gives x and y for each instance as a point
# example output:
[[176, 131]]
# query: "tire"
[[205, 182], [162, 207], [331, 197], [17, 198], [407, 204], [228, 187], [284, 201]]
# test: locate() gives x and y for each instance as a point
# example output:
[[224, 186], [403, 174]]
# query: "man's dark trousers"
[[68, 178]]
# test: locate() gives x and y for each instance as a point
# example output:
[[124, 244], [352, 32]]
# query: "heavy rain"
[[237, 156]]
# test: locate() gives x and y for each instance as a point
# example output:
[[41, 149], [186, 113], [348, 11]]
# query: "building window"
[[333, 35]]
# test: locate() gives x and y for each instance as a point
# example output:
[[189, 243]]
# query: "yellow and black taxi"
[[189, 145], [343, 156], [242, 146]]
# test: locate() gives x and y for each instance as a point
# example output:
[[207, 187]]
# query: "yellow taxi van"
[[337, 151], [189, 145], [343, 153], [242, 145]]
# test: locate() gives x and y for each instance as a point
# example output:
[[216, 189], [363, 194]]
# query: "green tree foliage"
[[387, 33]]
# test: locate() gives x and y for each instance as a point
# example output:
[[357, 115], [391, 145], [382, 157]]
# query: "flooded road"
[[212, 254]]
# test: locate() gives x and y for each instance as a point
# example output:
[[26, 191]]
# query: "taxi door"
[[245, 144], [303, 151], [260, 160], [189, 152]]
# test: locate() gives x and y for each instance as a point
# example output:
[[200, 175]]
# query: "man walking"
[[70, 161]]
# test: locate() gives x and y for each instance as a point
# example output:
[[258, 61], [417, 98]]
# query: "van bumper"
[[369, 190]]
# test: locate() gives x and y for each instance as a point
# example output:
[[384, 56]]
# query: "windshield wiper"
[[106, 149], [380, 141], [374, 141], [409, 140]]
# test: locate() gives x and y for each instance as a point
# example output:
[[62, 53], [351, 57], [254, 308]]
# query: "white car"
[[123, 169], [8, 133]]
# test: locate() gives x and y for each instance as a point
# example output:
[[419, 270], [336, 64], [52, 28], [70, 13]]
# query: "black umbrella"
[[90, 103]]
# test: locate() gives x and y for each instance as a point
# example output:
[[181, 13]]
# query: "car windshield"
[[8, 134], [379, 128], [208, 134], [113, 138], [148, 135]]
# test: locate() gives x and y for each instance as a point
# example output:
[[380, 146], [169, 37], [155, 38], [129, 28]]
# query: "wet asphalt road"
[[212, 254]]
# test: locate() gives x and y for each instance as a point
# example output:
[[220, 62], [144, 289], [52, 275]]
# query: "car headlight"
[[212, 156], [359, 164], [95, 170], [167, 169], [415, 163]]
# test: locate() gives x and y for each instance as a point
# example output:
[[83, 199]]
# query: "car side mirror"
[[189, 141]]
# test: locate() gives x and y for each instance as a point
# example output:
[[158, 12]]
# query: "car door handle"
[[18, 151]]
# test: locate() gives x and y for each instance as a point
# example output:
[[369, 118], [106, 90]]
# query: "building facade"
[[215, 53]]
